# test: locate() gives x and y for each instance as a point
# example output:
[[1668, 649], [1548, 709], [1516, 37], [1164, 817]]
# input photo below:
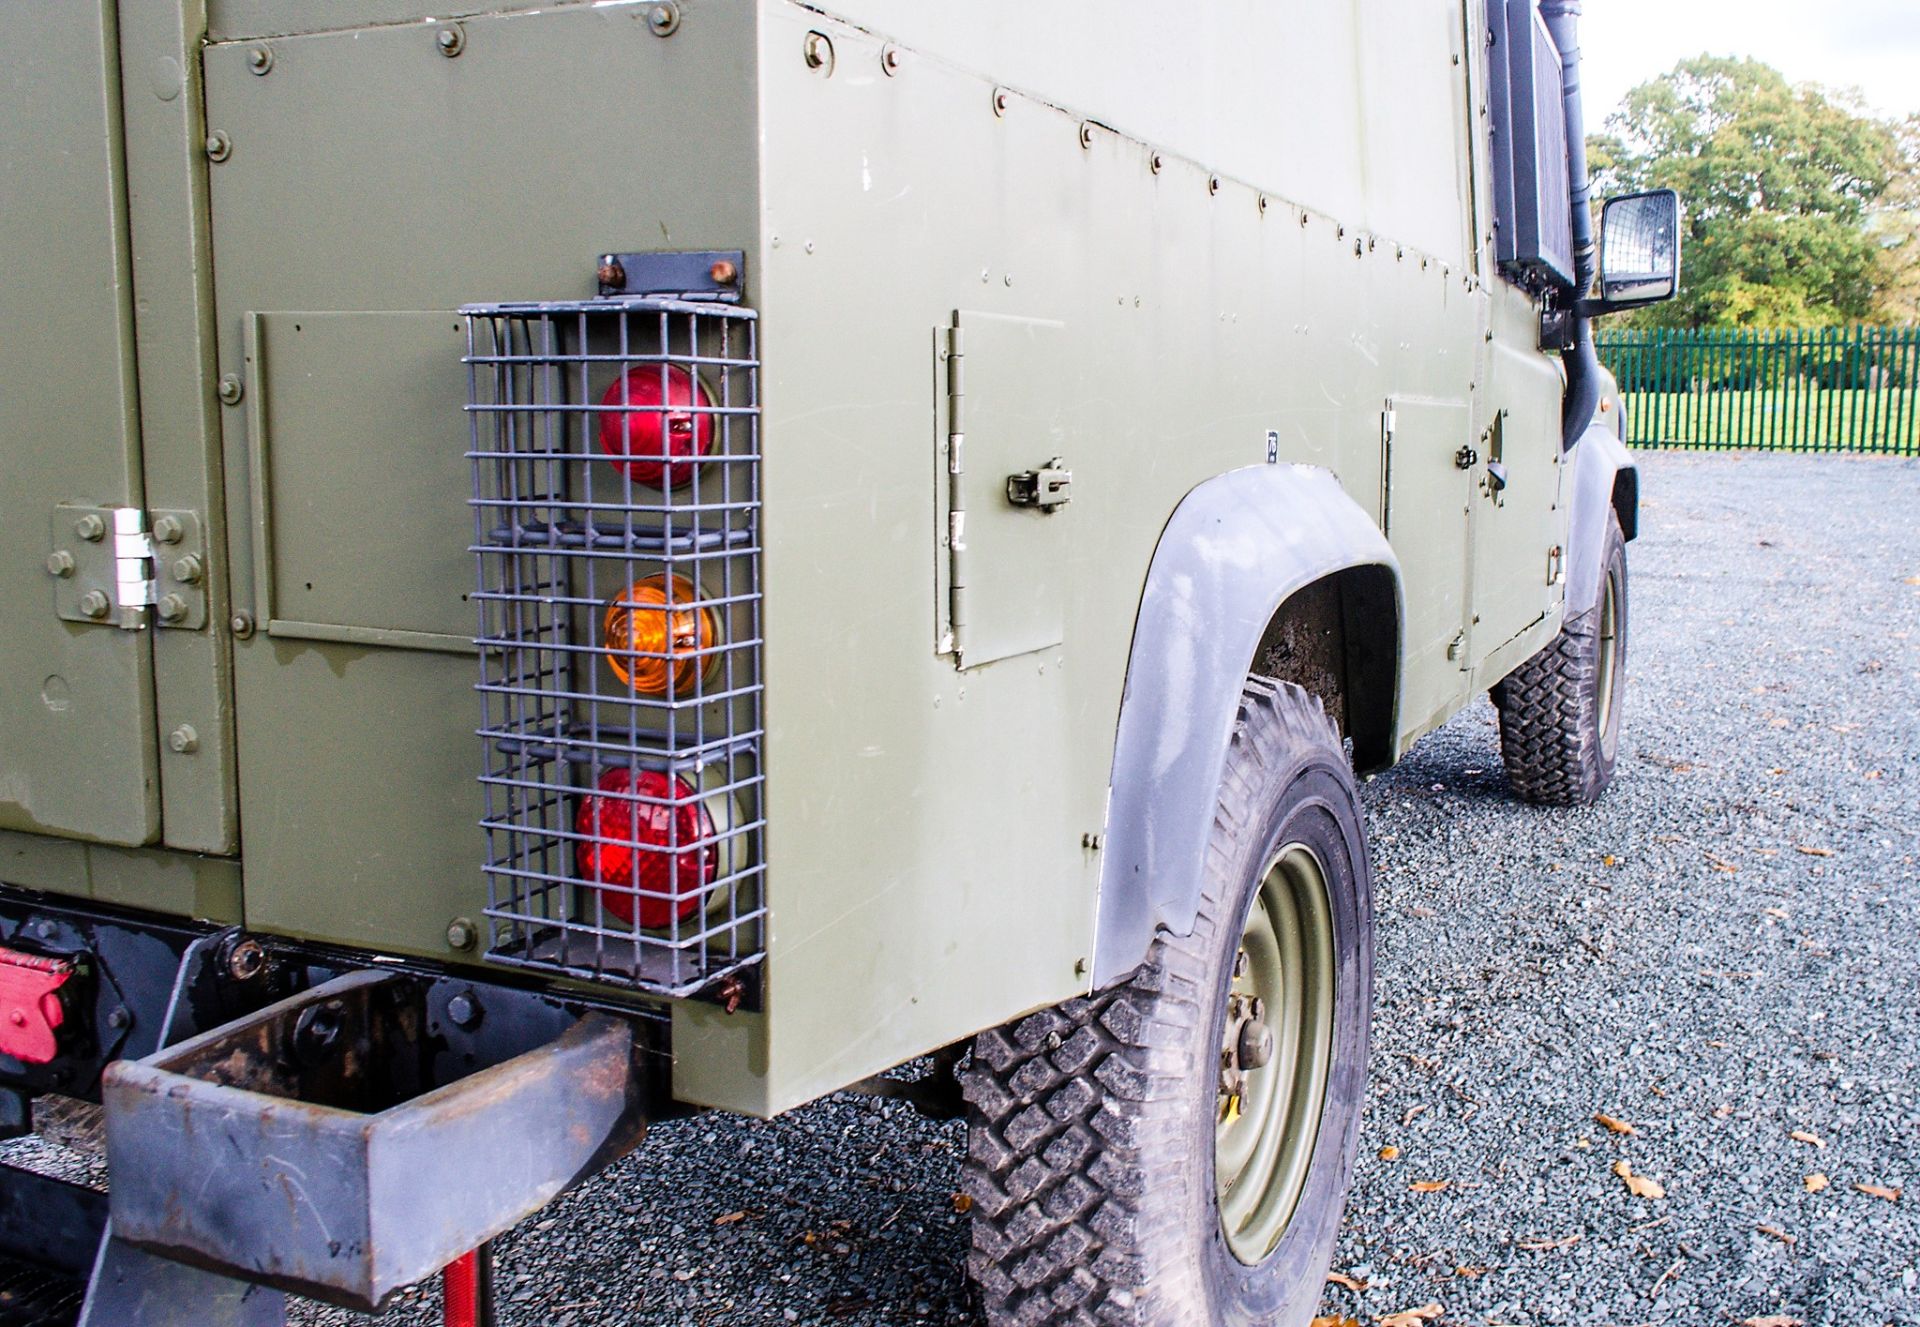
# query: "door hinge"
[[115, 567], [955, 637]]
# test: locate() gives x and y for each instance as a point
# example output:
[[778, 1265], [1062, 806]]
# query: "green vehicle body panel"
[[1171, 249]]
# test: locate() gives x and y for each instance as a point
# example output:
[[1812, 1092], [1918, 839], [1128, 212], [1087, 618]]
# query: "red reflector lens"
[[641, 849], [658, 424]]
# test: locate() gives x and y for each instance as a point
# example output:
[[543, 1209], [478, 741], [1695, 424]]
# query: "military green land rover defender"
[[565, 564]]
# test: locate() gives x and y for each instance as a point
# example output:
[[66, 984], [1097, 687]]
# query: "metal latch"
[[1048, 488], [112, 568]]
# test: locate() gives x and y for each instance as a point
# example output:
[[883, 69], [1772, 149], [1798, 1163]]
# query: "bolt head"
[[171, 608], [184, 741], [90, 528], [461, 934], [241, 624], [260, 59], [188, 570], [94, 604], [463, 1010], [60, 563], [219, 146], [168, 530], [663, 19], [1001, 101], [723, 272], [247, 961], [451, 40], [231, 389], [818, 51], [119, 1018]]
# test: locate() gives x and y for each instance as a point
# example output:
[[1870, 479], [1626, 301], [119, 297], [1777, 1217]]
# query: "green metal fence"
[[1839, 389]]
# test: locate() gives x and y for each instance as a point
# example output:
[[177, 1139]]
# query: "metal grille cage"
[[616, 471]]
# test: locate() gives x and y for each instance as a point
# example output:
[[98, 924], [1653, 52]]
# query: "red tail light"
[[643, 849], [659, 423]]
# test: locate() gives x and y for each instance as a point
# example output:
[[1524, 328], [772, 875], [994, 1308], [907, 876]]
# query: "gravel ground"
[[1722, 955]]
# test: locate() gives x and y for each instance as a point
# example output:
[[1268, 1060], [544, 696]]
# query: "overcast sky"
[[1873, 45]]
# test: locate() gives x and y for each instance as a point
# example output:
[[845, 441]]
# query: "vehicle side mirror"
[[1639, 251]]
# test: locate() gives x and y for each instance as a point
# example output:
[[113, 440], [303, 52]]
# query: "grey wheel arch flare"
[[1235, 550]]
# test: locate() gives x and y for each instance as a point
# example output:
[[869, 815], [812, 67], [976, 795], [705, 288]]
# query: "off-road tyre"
[[1091, 1125], [1560, 711]]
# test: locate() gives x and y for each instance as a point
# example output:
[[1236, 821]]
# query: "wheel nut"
[[1256, 1044]]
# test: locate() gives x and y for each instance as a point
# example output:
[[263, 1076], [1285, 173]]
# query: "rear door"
[[77, 742]]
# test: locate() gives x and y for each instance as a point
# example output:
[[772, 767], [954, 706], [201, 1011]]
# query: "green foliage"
[[1785, 189], [1896, 228]]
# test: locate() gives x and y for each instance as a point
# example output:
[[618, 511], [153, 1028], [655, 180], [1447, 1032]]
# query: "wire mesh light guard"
[[624, 834]]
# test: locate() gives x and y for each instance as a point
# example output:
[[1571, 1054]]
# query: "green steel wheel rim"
[[1267, 1117], [1609, 646]]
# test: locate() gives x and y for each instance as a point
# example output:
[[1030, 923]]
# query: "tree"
[[1896, 227], [1780, 183]]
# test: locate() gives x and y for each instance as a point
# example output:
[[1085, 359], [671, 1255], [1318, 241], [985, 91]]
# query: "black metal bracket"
[[701, 275]]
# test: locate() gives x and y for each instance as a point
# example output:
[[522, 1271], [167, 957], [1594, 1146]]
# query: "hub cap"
[[1275, 1050]]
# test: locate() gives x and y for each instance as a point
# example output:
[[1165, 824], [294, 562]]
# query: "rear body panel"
[[1261, 237], [77, 744]]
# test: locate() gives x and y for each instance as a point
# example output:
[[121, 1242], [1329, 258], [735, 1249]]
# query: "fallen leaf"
[[1333, 1320], [1612, 1125], [1772, 1320], [1722, 1111], [729, 1218], [1542, 1245], [1638, 1185], [1389, 1153], [1778, 913], [963, 1203], [1805, 851], [1429, 1186], [1342, 1279], [1411, 1317], [1802, 1136], [1412, 1113], [1720, 864], [1778, 1234], [1816, 1182], [1913, 580], [1609, 860], [1471, 1271], [1872, 774], [1880, 1191]]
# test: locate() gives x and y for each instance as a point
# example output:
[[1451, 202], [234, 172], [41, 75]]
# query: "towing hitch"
[[356, 1138]]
